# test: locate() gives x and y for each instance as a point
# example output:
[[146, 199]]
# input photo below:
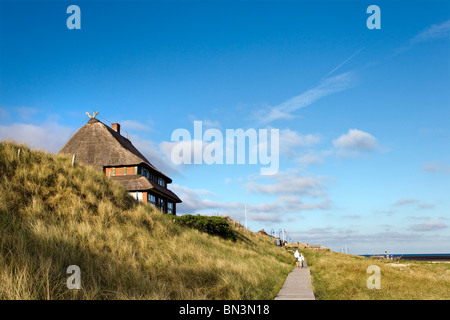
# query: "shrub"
[[216, 226]]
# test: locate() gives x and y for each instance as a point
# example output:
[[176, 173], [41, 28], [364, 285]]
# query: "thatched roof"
[[97, 145], [140, 183]]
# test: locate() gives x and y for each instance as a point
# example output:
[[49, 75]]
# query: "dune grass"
[[53, 215], [338, 276]]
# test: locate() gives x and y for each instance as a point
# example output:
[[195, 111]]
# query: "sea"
[[418, 257]]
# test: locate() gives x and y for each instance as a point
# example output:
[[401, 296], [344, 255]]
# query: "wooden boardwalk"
[[297, 286]]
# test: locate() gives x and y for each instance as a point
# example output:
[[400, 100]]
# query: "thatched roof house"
[[105, 149]]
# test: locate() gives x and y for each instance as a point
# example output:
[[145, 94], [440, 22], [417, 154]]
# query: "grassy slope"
[[340, 276], [53, 215]]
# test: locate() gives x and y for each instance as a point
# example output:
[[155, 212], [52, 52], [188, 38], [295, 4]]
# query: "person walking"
[[297, 257], [301, 259]]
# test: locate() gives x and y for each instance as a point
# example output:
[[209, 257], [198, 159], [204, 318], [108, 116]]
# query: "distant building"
[[105, 149], [318, 247]]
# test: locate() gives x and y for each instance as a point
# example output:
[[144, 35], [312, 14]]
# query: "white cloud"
[[206, 123], [428, 226], [432, 33], [287, 186], [435, 31], [287, 183], [195, 201], [350, 144], [436, 167], [50, 136], [272, 218], [288, 199], [336, 238], [289, 140], [426, 206], [309, 158], [26, 113], [355, 141], [134, 125], [313, 157], [402, 202], [155, 155], [280, 206], [4, 114], [192, 202], [408, 201]]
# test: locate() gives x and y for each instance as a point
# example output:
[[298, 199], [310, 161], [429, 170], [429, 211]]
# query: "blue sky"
[[363, 114]]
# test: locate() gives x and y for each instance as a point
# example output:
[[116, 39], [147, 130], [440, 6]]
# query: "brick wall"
[[120, 171]]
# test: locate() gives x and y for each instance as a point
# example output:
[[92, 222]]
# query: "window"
[[161, 204], [169, 207], [124, 171], [136, 170], [136, 195], [161, 182], [114, 171], [152, 199]]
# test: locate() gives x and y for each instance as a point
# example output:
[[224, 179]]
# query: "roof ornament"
[[94, 114]]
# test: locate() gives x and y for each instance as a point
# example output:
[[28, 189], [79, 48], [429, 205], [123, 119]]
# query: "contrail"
[[326, 87], [351, 57]]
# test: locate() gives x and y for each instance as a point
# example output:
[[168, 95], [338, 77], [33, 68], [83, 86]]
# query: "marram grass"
[[338, 276], [53, 215]]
